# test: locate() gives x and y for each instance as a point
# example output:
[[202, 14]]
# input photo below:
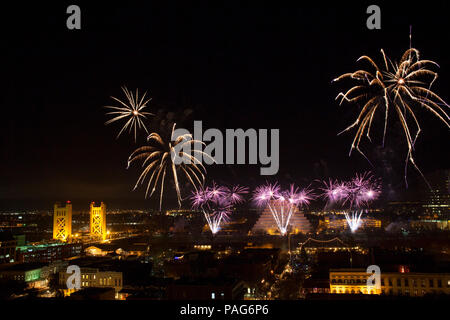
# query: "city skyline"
[[228, 77], [222, 158]]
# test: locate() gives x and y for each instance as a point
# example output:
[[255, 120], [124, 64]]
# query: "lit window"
[[213, 295]]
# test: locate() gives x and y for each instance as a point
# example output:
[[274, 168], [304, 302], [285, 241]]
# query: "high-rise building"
[[438, 202], [266, 223], [98, 221], [62, 221]]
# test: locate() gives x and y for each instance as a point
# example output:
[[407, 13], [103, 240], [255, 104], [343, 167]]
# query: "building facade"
[[94, 278], [354, 281], [47, 252], [266, 224]]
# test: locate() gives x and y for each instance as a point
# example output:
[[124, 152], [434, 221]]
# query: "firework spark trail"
[[133, 111], [161, 156], [216, 203], [399, 86], [354, 221], [282, 204]]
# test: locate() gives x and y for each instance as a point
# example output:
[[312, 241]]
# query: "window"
[[213, 295], [390, 282], [406, 282], [399, 283], [439, 282], [423, 283], [431, 283]]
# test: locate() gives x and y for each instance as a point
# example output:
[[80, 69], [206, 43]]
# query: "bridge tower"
[[62, 221], [98, 221]]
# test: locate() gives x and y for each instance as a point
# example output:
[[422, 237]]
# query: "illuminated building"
[[62, 221], [98, 221], [266, 223], [181, 213], [22, 272], [429, 204], [202, 246], [430, 224], [28, 273], [342, 223], [94, 251], [8, 245], [438, 202], [47, 252], [354, 281], [94, 278]]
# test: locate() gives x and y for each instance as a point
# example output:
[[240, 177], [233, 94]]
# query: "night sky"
[[229, 64]]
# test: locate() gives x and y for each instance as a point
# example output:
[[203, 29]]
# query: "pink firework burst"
[[363, 189], [236, 194], [297, 196], [334, 191], [217, 192], [265, 193], [216, 202], [199, 197]]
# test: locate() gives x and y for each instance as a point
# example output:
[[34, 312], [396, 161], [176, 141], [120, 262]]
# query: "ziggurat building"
[[266, 223]]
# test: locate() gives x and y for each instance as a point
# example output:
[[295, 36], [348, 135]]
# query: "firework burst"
[[160, 157], [131, 110], [282, 204], [357, 193], [216, 202], [401, 87]]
